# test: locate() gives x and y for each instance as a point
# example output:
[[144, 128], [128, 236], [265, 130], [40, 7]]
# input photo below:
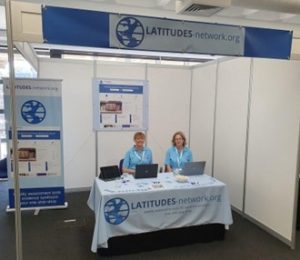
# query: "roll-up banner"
[[108, 30], [40, 143]]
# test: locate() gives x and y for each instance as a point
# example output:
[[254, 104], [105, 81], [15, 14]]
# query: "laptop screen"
[[109, 172], [146, 171], [193, 168]]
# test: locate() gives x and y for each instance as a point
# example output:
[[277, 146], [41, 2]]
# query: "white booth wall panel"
[[273, 144], [231, 125], [112, 145], [202, 114], [169, 103], [79, 145]]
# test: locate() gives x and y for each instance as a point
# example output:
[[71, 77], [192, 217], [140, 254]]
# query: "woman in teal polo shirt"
[[178, 154], [138, 154]]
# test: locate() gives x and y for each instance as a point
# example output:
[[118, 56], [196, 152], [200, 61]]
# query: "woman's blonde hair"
[[182, 136], [139, 135]]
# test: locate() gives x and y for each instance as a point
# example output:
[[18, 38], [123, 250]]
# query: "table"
[[134, 206]]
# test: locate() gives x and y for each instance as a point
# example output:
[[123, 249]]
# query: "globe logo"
[[116, 211], [33, 112], [130, 32]]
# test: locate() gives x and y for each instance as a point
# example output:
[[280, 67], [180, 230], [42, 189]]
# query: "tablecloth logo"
[[130, 32], [116, 211]]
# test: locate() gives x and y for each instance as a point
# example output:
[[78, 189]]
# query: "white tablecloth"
[[129, 206]]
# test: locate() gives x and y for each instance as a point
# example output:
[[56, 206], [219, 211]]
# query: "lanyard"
[[179, 157], [141, 158]]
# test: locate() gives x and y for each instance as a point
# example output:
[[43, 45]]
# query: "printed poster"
[[39, 141], [120, 105]]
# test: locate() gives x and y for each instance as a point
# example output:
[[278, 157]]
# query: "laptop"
[[109, 173], [193, 168], [146, 171]]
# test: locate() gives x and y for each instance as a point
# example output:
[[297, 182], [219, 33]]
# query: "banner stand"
[[37, 209], [40, 144]]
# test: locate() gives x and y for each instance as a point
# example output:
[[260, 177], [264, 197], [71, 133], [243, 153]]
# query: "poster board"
[[120, 105], [39, 141]]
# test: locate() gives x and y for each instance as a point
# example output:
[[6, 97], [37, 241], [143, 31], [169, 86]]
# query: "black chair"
[[3, 168], [121, 166]]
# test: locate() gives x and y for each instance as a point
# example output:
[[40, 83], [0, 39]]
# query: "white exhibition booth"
[[186, 99], [241, 115]]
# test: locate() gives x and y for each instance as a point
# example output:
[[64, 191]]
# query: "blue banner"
[[80, 27], [266, 43], [39, 197], [109, 30], [38, 135], [127, 89]]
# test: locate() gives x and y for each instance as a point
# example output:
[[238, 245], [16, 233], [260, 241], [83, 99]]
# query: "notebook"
[[146, 171], [109, 173], [193, 168]]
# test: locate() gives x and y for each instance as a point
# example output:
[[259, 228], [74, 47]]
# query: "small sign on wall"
[[120, 105]]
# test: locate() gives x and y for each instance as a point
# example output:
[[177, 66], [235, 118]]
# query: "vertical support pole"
[[190, 108], [146, 78], [215, 121], [18, 224], [296, 202], [247, 133], [96, 132]]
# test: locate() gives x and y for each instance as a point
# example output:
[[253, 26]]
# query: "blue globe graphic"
[[130, 32], [116, 211], [33, 112]]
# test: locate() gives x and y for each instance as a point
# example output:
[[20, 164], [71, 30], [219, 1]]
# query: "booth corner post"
[[18, 224]]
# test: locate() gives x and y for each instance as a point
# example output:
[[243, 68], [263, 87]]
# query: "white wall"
[[232, 79], [79, 151], [113, 145], [169, 103], [169, 94], [202, 113], [231, 124], [271, 172], [273, 144]]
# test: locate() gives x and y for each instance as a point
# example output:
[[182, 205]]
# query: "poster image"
[[38, 157]]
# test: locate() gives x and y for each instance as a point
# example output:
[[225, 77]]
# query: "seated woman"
[[178, 154], [138, 154]]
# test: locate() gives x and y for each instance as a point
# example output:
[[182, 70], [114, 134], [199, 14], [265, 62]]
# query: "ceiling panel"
[[295, 19], [234, 11], [231, 12], [263, 15], [166, 8]]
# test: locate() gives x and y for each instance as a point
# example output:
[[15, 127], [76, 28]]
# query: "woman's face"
[[178, 141], [139, 142]]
